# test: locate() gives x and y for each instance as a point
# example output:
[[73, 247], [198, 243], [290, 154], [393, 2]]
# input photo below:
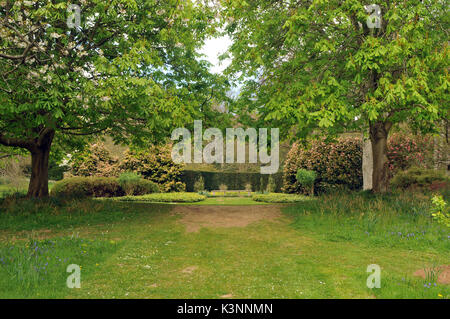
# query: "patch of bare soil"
[[196, 217], [189, 270], [443, 271]]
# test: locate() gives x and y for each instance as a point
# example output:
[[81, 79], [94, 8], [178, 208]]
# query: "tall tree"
[[321, 64], [125, 68]]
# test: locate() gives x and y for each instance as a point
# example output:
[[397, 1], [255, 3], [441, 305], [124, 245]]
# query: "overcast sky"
[[212, 49]]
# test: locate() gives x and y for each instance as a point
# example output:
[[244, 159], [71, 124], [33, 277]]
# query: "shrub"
[[155, 164], [306, 179], [440, 211], [223, 187], [419, 178], [199, 184], [87, 186], [179, 197], [133, 184], [405, 151], [248, 187], [337, 164], [94, 161], [278, 198]]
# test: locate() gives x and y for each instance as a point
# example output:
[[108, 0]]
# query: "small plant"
[[271, 186], [248, 188], [440, 211], [199, 184], [306, 179], [223, 187]]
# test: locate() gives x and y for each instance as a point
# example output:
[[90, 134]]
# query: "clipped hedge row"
[[99, 187], [233, 180]]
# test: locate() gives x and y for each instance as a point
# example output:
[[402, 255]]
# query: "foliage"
[[156, 165], [406, 150], [199, 184], [440, 211], [271, 186], [233, 180], [278, 198], [306, 179], [130, 70], [96, 160], [318, 66], [337, 164], [179, 197], [248, 187], [419, 177], [327, 76], [223, 187], [78, 187], [133, 184]]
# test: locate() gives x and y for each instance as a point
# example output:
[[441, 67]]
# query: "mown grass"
[[319, 249], [38, 268]]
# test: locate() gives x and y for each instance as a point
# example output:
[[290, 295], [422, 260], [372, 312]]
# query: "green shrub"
[[94, 161], [155, 164], [178, 197], [271, 186], [306, 179], [278, 198], [87, 187], [335, 163], [440, 210], [420, 178], [199, 184], [133, 184], [405, 151]]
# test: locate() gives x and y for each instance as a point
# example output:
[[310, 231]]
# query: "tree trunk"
[[378, 137], [38, 187]]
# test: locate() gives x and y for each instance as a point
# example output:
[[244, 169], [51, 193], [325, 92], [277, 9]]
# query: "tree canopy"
[[129, 70], [306, 65]]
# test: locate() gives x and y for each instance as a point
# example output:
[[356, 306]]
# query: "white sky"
[[212, 49]]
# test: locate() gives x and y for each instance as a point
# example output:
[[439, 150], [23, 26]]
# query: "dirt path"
[[196, 217]]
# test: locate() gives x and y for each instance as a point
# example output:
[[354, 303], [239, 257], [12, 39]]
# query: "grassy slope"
[[310, 253]]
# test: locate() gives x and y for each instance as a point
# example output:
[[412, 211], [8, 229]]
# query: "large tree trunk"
[[38, 186], [378, 137]]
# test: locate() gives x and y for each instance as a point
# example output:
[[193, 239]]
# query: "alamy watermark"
[[374, 279], [213, 152], [74, 279], [374, 20], [74, 19]]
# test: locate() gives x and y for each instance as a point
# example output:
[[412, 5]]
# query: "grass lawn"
[[312, 249]]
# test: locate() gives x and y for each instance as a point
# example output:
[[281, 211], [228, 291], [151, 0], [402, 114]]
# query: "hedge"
[[87, 187], [233, 180], [338, 165]]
